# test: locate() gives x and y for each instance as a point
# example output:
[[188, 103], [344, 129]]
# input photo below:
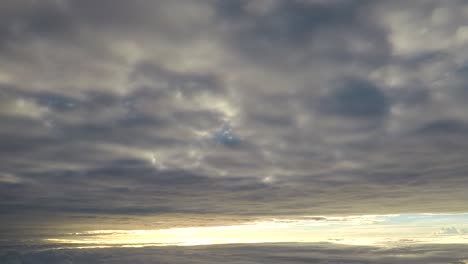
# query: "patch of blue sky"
[[406, 219]]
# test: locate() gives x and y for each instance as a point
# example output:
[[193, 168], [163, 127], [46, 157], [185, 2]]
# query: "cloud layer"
[[266, 253], [232, 108]]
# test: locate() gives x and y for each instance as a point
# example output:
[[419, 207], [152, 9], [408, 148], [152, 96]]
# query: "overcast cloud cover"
[[217, 112]]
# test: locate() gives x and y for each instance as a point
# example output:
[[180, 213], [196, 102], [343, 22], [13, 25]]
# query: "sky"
[[200, 122]]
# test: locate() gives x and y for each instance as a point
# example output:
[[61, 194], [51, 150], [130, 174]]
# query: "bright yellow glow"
[[382, 230]]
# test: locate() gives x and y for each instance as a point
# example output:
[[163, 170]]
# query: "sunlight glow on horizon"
[[366, 230]]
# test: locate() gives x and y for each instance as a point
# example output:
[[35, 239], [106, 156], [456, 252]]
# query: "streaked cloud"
[[271, 253]]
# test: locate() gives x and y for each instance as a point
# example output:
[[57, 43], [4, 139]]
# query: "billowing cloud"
[[231, 109]]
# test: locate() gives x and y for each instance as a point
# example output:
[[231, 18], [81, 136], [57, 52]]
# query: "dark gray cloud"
[[231, 108], [271, 32], [355, 98]]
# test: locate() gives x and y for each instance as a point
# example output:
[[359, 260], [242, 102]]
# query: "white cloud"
[[450, 231]]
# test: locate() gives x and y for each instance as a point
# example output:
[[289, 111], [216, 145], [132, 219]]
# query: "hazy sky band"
[[367, 230]]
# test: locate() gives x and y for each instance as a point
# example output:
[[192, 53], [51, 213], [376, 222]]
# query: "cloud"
[[9, 179], [355, 99], [271, 253], [444, 127], [449, 231], [231, 109]]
